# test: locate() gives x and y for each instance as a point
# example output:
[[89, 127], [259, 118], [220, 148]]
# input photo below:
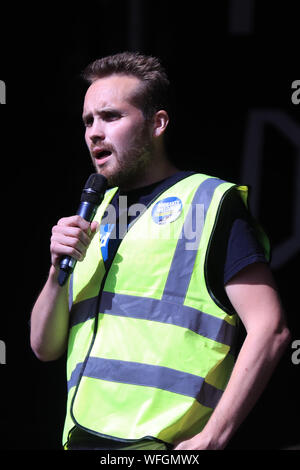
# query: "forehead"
[[112, 90]]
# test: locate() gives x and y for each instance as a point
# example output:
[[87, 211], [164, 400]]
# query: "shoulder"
[[235, 243]]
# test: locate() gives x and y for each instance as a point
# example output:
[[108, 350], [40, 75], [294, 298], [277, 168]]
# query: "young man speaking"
[[149, 319]]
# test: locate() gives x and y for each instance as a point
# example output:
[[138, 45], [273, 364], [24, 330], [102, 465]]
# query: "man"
[[152, 322]]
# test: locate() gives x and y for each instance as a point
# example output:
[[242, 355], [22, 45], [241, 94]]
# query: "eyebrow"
[[108, 109]]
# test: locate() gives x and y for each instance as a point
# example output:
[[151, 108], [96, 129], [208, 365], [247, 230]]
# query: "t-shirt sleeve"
[[243, 248], [236, 243]]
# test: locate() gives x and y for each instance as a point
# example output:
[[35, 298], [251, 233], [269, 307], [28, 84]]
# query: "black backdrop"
[[231, 65]]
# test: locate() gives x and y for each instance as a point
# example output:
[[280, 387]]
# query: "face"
[[117, 135]]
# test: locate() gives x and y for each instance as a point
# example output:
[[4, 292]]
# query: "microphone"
[[91, 197]]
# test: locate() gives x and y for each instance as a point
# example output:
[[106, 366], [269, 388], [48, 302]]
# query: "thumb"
[[94, 227]]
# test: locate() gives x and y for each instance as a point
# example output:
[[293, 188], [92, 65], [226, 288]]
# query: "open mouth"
[[102, 154]]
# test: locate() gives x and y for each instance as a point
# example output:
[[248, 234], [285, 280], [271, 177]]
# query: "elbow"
[[45, 350], [286, 337], [45, 355], [281, 340]]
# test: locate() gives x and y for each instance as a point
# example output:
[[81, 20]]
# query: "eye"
[[111, 115], [88, 121]]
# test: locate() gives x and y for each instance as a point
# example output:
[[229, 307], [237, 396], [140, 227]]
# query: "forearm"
[[50, 320], [50, 315], [256, 361]]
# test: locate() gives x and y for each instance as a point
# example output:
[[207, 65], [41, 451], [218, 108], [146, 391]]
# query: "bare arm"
[[50, 314], [253, 294]]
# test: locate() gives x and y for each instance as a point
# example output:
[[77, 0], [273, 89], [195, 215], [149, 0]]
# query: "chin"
[[113, 178]]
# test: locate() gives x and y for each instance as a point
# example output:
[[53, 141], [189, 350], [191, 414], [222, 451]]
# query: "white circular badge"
[[167, 210]]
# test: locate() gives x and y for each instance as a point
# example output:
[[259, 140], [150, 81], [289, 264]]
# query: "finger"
[[71, 242], [73, 232], [93, 229], [58, 250], [74, 221]]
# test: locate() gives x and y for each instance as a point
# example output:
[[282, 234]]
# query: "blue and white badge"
[[105, 232], [167, 210]]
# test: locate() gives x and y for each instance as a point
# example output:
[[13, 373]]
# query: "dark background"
[[231, 65]]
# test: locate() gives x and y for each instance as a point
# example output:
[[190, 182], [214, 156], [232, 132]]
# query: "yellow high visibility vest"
[[150, 349]]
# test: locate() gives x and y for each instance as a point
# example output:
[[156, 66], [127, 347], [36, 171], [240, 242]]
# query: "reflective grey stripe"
[[156, 310], [184, 259], [147, 375]]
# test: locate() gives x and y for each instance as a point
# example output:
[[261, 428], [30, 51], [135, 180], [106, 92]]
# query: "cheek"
[[131, 134], [86, 138]]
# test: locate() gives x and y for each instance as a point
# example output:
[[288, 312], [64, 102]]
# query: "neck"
[[157, 169]]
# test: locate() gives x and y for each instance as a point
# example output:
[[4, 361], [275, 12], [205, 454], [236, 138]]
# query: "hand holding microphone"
[[72, 235]]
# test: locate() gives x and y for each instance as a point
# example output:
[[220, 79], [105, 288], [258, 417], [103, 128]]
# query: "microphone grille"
[[96, 182], [94, 189]]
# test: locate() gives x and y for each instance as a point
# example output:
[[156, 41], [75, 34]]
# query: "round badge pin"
[[167, 210]]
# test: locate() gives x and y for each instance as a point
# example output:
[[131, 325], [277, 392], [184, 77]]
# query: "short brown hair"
[[152, 95]]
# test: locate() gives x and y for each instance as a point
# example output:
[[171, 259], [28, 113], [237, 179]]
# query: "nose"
[[95, 132]]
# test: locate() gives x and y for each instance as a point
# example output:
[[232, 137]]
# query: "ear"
[[161, 120]]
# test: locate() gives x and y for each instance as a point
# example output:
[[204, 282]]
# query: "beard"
[[130, 166]]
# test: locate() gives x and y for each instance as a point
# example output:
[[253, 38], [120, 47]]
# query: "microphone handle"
[[87, 211]]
